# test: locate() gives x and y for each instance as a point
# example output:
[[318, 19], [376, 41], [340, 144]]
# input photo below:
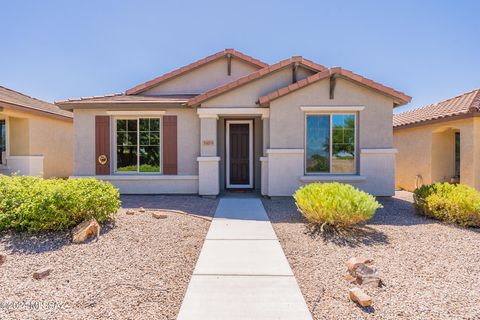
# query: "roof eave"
[[70, 106]]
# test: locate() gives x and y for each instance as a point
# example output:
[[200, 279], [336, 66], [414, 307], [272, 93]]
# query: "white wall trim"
[[120, 177], [285, 151], [263, 159], [208, 116], [379, 151], [330, 177], [137, 113], [25, 157], [203, 112], [206, 159], [332, 108]]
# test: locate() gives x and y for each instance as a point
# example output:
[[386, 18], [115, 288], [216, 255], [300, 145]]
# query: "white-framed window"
[[330, 143], [138, 144]]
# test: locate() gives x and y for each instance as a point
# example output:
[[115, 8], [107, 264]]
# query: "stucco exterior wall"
[[248, 94], [202, 79], [19, 136], [374, 123], [39, 145], [54, 140], [188, 135], [286, 168], [428, 151]]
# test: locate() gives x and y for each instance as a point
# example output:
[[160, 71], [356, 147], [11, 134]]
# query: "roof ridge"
[[255, 75], [191, 66], [475, 107]]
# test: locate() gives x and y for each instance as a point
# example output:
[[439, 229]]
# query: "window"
[[138, 145], [457, 154], [330, 143]]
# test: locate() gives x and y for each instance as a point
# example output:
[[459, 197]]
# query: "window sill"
[[332, 177]]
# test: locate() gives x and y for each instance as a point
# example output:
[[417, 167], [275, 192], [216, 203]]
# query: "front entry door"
[[239, 154]]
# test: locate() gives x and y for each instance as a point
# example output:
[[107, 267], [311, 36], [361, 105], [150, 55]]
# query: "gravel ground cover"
[[431, 269], [138, 269]]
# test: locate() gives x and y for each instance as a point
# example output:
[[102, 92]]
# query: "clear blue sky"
[[62, 49]]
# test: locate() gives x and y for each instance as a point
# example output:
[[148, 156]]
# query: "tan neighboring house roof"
[[400, 97], [149, 84], [254, 76], [12, 99], [464, 105]]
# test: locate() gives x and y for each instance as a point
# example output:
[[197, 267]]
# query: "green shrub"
[[449, 202], [335, 204], [35, 204]]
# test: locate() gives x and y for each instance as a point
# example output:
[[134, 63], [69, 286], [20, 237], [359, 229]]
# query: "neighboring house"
[[439, 142], [230, 121], [36, 137]]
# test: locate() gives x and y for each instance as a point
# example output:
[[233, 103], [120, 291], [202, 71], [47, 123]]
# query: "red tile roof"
[[400, 97], [194, 65], [120, 98], [253, 76], [467, 103], [21, 101]]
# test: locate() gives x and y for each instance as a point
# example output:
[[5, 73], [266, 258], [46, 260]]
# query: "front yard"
[[139, 268], [430, 269]]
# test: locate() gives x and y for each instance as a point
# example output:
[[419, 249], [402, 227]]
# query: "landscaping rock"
[[159, 215], [42, 273], [349, 278], [3, 258], [141, 209], [359, 296], [130, 212], [352, 262], [85, 230], [364, 274]]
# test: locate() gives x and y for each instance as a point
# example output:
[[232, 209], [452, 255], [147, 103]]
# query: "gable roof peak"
[[182, 70]]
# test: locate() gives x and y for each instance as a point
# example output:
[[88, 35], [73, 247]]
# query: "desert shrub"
[[335, 204], [36, 204], [449, 202]]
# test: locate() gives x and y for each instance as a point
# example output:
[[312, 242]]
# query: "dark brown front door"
[[239, 154]]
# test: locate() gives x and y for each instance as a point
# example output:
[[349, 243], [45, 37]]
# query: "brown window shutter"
[[170, 145], [102, 145]]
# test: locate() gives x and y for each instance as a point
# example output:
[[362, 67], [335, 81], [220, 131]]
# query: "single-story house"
[[439, 143], [230, 121], [36, 137]]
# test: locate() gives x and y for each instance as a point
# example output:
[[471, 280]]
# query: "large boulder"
[[85, 231]]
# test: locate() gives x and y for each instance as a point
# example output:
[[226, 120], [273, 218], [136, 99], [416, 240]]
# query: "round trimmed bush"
[[335, 204], [36, 204], [456, 203]]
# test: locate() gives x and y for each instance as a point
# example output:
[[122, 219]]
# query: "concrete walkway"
[[242, 272]]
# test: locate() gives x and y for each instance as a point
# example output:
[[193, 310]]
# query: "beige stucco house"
[[36, 137], [230, 121], [439, 142]]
